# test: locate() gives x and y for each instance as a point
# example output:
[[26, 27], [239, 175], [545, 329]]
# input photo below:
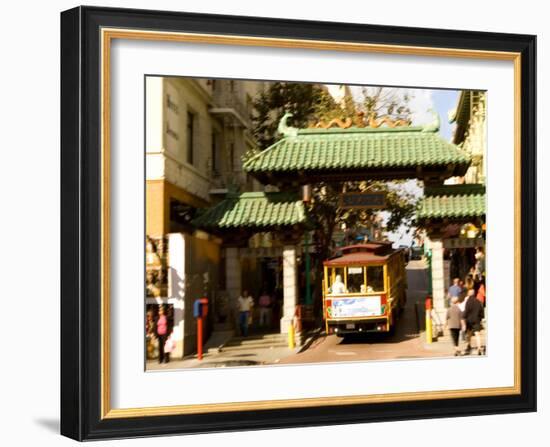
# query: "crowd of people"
[[466, 307]]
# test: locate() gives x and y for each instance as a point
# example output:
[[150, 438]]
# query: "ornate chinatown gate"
[[306, 156]]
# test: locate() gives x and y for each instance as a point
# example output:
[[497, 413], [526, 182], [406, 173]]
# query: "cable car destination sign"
[[364, 200]]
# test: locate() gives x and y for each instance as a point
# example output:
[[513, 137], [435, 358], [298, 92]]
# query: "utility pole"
[[308, 300], [306, 198]]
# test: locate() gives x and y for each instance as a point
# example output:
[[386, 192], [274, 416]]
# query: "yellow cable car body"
[[364, 288]]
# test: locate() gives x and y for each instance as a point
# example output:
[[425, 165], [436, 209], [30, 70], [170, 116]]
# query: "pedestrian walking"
[[469, 293], [454, 323], [469, 282], [462, 285], [480, 264], [471, 320], [454, 291], [245, 303], [162, 332], [265, 309]]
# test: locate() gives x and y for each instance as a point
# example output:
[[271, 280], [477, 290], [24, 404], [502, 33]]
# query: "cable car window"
[[375, 278], [356, 280], [337, 281]]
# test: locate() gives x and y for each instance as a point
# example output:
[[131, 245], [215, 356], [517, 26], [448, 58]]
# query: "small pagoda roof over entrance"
[[357, 153], [452, 202], [254, 212]]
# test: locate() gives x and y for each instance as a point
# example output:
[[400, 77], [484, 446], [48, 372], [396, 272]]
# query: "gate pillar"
[[290, 287]]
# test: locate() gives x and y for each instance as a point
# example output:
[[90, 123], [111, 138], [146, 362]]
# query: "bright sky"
[[421, 103]]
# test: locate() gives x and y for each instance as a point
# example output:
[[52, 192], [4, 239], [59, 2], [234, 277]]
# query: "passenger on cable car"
[[366, 289], [338, 287]]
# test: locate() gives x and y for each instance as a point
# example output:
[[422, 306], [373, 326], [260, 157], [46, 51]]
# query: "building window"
[[231, 156], [171, 104], [190, 138], [171, 132], [214, 155]]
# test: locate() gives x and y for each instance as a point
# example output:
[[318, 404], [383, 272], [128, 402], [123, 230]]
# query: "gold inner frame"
[[107, 35]]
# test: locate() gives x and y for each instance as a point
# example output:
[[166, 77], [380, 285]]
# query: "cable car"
[[364, 288]]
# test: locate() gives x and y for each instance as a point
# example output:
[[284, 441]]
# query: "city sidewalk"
[[443, 344], [225, 350]]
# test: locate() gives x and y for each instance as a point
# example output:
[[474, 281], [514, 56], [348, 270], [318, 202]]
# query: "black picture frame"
[[81, 214]]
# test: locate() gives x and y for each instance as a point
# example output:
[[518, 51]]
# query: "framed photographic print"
[[275, 223]]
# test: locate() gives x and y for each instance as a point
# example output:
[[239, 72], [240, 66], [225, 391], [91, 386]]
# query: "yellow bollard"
[[291, 341], [429, 334]]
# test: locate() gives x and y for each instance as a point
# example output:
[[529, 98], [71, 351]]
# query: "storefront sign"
[[463, 243], [363, 200]]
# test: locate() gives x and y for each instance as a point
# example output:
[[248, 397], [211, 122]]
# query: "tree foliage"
[[311, 104], [384, 101], [300, 99]]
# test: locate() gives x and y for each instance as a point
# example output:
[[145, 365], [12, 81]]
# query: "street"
[[405, 343]]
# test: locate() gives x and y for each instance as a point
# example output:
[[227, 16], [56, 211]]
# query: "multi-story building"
[[471, 132], [197, 130], [460, 203]]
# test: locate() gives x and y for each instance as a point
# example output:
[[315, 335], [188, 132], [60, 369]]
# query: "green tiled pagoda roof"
[[356, 149], [452, 201], [253, 210]]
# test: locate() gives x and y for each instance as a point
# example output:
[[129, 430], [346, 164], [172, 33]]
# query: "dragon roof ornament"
[[285, 129], [361, 121], [435, 124]]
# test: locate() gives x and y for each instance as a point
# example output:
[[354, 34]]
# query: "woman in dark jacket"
[[471, 317]]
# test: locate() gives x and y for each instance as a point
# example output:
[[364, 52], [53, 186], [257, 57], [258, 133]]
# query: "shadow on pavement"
[[229, 364], [406, 328]]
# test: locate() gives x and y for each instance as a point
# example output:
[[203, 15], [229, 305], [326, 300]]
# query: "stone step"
[[254, 343], [255, 338], [257, 341], [232, 348]]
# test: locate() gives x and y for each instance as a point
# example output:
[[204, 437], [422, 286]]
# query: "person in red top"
[[162, 334], [481, 293]]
